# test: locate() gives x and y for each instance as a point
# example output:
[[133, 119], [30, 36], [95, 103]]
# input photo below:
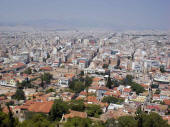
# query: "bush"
[[93, 110], [111, 99], [58, 109]]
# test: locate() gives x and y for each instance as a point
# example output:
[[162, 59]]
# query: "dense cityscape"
[[93, 78], [84, 63]]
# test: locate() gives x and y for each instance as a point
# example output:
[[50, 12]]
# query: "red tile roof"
[[92, 99], [82, 61], [46, 68], [96, 79], [43, 107], [152, 107], [103, 88], [83, 93], [76, 114], [18, 65], [167, 101], [127, 90]]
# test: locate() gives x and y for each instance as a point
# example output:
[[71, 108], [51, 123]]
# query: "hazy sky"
[[151, 14]]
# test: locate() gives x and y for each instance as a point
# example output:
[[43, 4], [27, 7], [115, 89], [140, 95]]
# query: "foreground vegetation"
[[141, 119]]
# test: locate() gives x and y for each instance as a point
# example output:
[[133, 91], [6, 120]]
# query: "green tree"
[[105, 66], [137, 88], [10, 103], [93, 110], [48, 55], [28, 71], [162, 69], [109, 83], [46, 79], [50, 90], [58, 109], [77, 86], [0, 108], [154, 86], [12, 120], [19, 94], [127, 80], [88, 81], [98, 124], [138, 116], [78, 122], [4, 120], [153, 120], [111, 123], [116, 83], [82, 73], [157, 91], [118, 62], [77, 105], [111, 99], [26, 84], [38, 120], [134, 86], [127, 121]]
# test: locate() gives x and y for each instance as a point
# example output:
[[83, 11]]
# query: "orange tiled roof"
[[43, 107], [76, 114], [103, 88], [167, 101], [5, 109], [94, 87], [82, 61], [167, 118], [115, 93], [96, 79], [115, 88], [18, 65], [156, 95], [83, 93], [69, 75], [46, 68], [92, 99], [127, 90], [145, 86], [94, 84]]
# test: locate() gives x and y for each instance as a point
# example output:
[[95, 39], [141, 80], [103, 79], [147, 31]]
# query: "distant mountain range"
[[50, 23], [71, 24]]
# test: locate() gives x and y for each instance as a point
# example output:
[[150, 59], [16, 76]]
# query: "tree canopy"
[[152, 120], [7, 120], [111, 99], [77, 105], [50, 90], [134, 86], [93, 110], [78, 122], [111, 123], [41, 120], [28, 71], [58, 109], [79, 85], [38, 120], [109, 83], [46, 79], [137, 88], [162, 69], [105, 66], [127, 121], [19, 94]]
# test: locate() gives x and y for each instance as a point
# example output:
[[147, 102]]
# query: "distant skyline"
[[113, 14]]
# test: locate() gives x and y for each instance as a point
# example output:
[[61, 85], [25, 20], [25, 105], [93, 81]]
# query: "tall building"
[[168, 61]]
